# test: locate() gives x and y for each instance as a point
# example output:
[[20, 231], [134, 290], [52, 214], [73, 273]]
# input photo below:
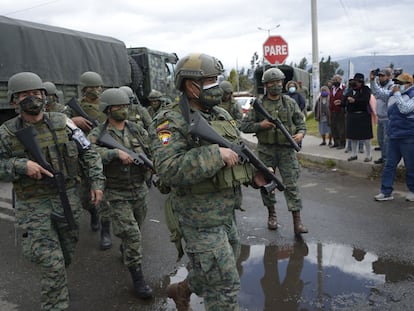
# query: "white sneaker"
[[410, 197], [383, 197]]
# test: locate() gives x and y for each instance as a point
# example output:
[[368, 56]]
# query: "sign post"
[[275, 50]]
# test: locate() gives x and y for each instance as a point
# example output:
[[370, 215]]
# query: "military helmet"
[[127, 91], [273, 74], [50, 88], [23, 81], [226, 86], [196, 66], [90, 79], [154, 95], [113, 97]]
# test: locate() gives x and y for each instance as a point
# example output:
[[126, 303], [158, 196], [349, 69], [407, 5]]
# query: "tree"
[[327, 69], [303, 63]]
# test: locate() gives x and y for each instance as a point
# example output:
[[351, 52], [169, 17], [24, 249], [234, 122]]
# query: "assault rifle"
[[73, 103], [200, 128], [257, 106], [27, 137], [107, 140]]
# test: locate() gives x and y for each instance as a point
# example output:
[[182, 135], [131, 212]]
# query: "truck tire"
[[137, 77]]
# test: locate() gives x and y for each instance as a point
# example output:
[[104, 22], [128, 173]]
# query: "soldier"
[[157, 102], [91, 87], [137, 113], [204, 186], [229, 104], [52, 98], [274, 150], [125, 190], [48, 238]]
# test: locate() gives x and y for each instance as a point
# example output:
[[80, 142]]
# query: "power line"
[[32, 7]]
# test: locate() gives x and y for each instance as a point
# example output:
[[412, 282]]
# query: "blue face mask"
[[324, 94], [292, 89], [402, 88]]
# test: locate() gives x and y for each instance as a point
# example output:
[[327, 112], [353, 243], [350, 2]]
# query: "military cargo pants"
[[286, 161], [213, 273], [49, 244]]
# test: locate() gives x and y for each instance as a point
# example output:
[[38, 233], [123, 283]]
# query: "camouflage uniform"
[[126, 190], [47, 243], [204, 194], [92, 110], [273, 148], [140, 115], [234, 109]]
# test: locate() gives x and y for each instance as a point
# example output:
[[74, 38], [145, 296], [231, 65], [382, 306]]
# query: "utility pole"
[[315, 53]]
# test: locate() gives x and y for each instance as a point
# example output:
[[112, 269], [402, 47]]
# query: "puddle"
[[308, 276]]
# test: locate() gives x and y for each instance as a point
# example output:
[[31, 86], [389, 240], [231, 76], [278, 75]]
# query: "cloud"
[[229, 29]]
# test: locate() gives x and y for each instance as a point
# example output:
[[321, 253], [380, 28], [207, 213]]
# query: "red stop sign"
[[275, 50]]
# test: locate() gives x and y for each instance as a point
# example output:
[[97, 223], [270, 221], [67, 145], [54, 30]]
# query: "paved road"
[[342, 218]]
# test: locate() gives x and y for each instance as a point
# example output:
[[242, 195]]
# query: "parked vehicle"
[[245, 102], [61, 55]]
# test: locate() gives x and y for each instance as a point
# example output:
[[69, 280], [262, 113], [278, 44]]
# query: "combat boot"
[[106, 240], [180, 293], [142, 289], [298, 227], [95, 224], [272, 219]]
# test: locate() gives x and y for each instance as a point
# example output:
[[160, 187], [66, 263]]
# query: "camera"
[[375, 72]]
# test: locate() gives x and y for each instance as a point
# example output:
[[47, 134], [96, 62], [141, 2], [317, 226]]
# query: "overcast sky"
[[229, 29]]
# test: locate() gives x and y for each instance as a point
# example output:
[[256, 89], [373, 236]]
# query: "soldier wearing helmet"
[[52, 98], [137, 113], [229, 104], [48, 239], [205, 184], [125, 190], [274, 149], [157, 102], [90, 84]]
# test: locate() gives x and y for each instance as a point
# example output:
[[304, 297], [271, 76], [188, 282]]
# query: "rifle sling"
[[63, 196]]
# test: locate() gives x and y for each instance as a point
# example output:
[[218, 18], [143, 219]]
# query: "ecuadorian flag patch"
[[164, 137]]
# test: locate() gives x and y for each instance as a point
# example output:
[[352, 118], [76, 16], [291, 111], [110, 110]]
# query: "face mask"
[[324, 94], [402, 87], [292, 89], [120, 114], [352, 84], [335, 84], [93, 94], [155, 104], [32, 105], [211, 95], [275, 90]]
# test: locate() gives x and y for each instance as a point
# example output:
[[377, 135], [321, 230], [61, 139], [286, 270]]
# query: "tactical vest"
[[29, 187], [226, 177], [283, 110], [120, 176], [93, 111]]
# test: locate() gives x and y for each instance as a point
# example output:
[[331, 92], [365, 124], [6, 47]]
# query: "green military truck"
[[291, 73], [61, 55]]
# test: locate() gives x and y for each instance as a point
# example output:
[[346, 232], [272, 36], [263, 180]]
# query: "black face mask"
[[336, 84], [32, 105], [353, 84]]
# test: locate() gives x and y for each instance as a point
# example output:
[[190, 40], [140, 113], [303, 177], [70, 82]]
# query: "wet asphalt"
[[358, 255]]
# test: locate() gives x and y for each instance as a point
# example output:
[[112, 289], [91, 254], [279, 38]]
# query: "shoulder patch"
[[163, 126], [164, 136]]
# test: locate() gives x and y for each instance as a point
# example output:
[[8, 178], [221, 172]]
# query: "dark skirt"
[[358, 125]]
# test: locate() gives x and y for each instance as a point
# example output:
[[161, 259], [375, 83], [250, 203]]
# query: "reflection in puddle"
[[311, 276], [301, 276]]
